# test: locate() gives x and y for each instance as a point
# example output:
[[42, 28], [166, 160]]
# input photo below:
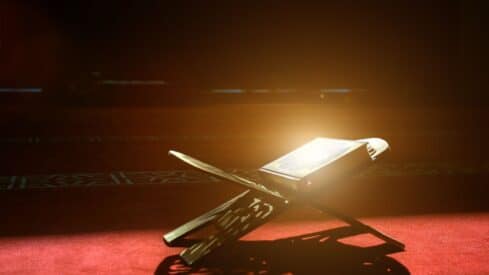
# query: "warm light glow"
[[311, 156]]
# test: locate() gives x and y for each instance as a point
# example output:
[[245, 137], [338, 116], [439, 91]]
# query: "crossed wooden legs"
[[242, 214]]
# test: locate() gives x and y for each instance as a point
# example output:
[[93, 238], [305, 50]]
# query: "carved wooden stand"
[[245, 212]]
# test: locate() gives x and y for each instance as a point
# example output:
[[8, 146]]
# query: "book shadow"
[[313, 253]]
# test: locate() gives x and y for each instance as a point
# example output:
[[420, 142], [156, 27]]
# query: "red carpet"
[[435, 244]]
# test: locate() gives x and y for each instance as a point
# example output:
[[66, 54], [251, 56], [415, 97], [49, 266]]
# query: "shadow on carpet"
[[318, 252]]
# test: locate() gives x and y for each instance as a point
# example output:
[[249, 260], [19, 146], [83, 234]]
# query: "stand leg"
[[244, 216], [171, 238], [354, 222]]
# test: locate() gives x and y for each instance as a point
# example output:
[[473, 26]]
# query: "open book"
[[287, 180], [320, 162]]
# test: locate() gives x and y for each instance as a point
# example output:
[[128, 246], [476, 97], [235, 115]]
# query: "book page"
[[311, 156]]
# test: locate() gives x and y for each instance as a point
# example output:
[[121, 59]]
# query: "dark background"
[[407, 51], [416, 69]]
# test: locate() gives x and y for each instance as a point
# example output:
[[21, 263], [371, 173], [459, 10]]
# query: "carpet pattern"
[[191, 176]]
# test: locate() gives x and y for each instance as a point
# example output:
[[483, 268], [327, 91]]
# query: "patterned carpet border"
[[192, 176]]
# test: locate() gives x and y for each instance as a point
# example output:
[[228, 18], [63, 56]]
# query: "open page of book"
[[311, 157]]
